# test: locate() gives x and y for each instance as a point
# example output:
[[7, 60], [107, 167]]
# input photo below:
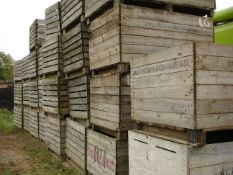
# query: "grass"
[[6, 121], [41, 161], [45, 163]]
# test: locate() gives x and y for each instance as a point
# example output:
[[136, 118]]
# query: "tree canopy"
[[6, 67]]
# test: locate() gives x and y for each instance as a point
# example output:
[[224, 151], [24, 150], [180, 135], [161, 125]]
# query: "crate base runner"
[[18, 116], [76, 143], [42, 126], [191, 137], [151, 155], [55, 135], [106, 155]]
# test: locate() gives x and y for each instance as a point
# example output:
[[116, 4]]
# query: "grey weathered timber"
[[75, 48], [111, 153], [52, 55], [26, 93], [42, 126], [71, 11], [18, 116], [18, 93], [189, 86], [76, 137], [110, 105], [34, 93], [30, 93], [53, 20], [79, 95], [40, 60], [30, 65], [127, 31], [55, 135], [55, 95], [93, 7], [34, 122], [18, 70], [40, 91], [151, 155], [26, 118], [37, 34]]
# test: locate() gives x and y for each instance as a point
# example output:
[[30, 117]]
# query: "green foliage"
[[6, 121], [6, 67]]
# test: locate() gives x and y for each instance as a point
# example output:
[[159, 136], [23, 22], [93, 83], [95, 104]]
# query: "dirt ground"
[[20, 154], [13, 160]]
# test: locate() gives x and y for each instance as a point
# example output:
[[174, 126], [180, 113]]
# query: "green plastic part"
[[223, 15], [224, 34]]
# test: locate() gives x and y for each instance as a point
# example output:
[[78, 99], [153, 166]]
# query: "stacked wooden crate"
[[37, 34], [26, 94], [184, 95], [53, 84], [76, 68], [30, 76], [119, 32], [72, 12], [30, 93], [18, 94]]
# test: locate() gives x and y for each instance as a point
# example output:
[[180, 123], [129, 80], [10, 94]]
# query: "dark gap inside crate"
[[219, 136], [165, 6], [102, 10]]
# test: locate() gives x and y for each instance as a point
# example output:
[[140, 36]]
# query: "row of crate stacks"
[[98, 69]]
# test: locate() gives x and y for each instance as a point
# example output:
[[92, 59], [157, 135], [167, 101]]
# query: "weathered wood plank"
[[184, 87], [166, 156], [112, 156]]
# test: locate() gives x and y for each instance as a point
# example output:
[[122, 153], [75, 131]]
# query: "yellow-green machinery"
[[223, 21]]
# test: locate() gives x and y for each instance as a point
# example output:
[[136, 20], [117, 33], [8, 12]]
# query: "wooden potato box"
[[154, 156], [127, 31], [52, 55], [53, 20], [40, 60], [42, 126], [34, 96], [26, 93], [37, 34], [30, 65], [40, 91], [55, 135], [18, 116], [55, 96], [34, 123], [18, 93], [18, 70], [189, 86], [94, 6], [106, 155], [75, 48], [79, 95], [76, 137], [72, 11], [26, 118], [110, 101]]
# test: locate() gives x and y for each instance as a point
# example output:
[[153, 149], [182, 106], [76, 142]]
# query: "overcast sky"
[[16, 16]]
